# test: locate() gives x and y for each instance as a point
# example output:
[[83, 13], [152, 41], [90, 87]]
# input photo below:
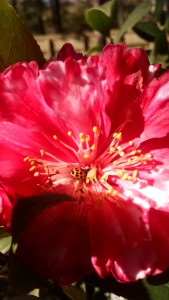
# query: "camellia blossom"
[[94, 130]]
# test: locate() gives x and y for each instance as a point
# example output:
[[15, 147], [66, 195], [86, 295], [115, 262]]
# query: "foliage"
[[149, 21]]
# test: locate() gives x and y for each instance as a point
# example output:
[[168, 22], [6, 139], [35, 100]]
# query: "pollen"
[[93, 147], [86, 155], [95, 129], [117, 135], [55, 137], [70, 133], [42, 152], [112, 150], [32, 168], [87, 138]]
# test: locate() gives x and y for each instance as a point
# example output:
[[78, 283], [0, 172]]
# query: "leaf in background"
[[146, 30], [25, 297], [160, 292], [74, 293], [134, 17], [101, 18], [167, 25], [5, 244], [16, 42], [159, 13], [161, 45]]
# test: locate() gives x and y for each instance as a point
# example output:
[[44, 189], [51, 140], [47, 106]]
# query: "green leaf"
[[161, 45], [74, 293], [16, 42], [136, 15], [101, 18], [167, 25], [159, 12], [157, 292], [146, 30], [5, 244]]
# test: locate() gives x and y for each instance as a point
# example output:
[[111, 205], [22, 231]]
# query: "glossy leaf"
[[101, 18], [16, 42], [134, 17]]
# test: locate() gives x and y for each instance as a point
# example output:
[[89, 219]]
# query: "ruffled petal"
[[155, 107], [118, 233]]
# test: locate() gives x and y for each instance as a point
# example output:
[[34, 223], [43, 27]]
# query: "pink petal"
[[155, 106]]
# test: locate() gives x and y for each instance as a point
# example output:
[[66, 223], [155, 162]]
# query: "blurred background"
[[54, 22]]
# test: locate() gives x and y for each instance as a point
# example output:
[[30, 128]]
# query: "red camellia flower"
[[93, 131]]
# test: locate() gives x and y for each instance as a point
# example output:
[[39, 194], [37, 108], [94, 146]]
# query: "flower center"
[[97, 171]]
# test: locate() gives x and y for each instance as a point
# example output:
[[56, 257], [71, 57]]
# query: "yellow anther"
[[117, 135], [55, 137], [42, 152], [82, 140], [91, 176], [112, 150], [86, 155], [87, 137], [109, 191], [81, 135], [129, 160], [148, 155], [115, 163], [26, 158], [95, 129], [133, 152], [70, 133], [120, 173], [121, 153], [46, 168], [93, 147], [115, 193], [32, 162], [36, 174], [104, 178], [135, 172], [119, 148], [130, 178], [130, 143], [32, 168], [125, 176], [141, 158], [56, 171]]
